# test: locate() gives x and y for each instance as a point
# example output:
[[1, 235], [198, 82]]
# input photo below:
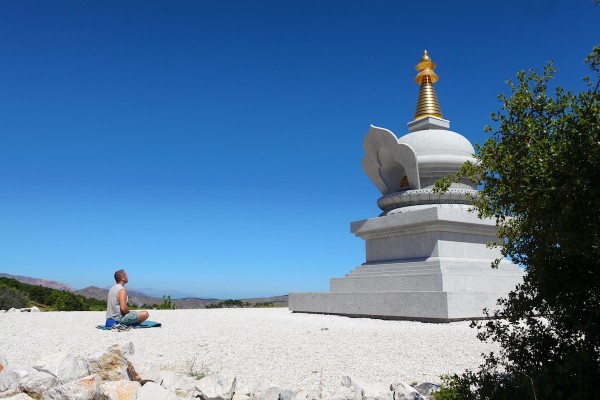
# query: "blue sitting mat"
[[145, 324]]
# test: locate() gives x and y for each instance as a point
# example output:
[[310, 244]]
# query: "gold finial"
[[427, 104]]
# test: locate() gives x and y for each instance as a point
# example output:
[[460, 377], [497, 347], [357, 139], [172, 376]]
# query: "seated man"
[[117, 311]]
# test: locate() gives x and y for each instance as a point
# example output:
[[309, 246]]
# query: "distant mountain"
[[193, 302], [39, 282], [93, 292], [174, 293], [159, 293], [140, 296], [139, 299], [136, 298]]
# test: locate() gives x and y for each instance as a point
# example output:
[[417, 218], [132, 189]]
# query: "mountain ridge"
[[39, 282], [139, 298]]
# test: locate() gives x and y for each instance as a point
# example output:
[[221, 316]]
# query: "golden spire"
[[427, 105]]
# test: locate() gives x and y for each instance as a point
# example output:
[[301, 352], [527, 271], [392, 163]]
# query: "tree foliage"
[[58, 300], [540, 172], [231, 303], [166, 304], [11, 298]]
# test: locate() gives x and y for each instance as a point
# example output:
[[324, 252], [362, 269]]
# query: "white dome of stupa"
[[439, 152], [434, 142]]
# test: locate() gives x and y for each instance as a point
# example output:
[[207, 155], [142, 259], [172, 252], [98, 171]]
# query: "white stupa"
[[426, 254]]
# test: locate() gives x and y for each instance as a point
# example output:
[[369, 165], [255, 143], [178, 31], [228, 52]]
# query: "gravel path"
[[290, 350]]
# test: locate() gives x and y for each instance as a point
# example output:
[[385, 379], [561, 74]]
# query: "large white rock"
[[119, 390], [219, 386], [20, 396], [403, 391], [82, 389], [3, 363], [22, 373], [146, 371], [346, 393], [426, 388], [13, 310], [271, 393], [303, 395], [64, 366], [241, 395], [37, 382], [9, 379], [369, 390], [125, 348], [110, 365], [261, 387], [153, 391], [35, 309], [287, 394], [181, 385]]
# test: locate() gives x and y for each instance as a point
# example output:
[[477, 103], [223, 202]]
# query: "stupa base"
[[426, 264], [414, 306]]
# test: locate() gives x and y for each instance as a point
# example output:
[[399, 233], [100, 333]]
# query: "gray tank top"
[[113, 309]]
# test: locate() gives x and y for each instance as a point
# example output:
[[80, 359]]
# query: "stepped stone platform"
[[430, 264]]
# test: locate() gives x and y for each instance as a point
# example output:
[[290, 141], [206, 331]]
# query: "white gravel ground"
[[290, 350]]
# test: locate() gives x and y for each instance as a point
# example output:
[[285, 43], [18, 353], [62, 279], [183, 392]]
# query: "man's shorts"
[[128, 319]]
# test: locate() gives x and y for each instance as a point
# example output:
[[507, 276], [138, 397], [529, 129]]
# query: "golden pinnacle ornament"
[[427, 104]]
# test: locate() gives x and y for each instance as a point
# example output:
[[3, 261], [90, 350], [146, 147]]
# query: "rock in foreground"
[[116, 374]]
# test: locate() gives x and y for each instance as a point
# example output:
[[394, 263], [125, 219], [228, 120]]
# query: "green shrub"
[[230, 303], [12, 298], [59, 300], [540, 172], [267, 304], [453, 387], [166, 304]]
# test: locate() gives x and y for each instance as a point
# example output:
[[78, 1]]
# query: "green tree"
[[66, 301], [57, 299], [38, 293], [540, 172], [11, 298], [166, 304]]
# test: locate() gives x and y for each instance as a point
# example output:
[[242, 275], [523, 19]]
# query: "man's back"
[[113, 309]]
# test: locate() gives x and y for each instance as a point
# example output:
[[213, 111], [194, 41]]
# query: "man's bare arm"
[[123, 301]]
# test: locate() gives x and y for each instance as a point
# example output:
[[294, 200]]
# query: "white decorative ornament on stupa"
[[426, 254]]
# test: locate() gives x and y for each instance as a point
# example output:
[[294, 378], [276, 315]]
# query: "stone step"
[[463, 282], [417, 266], [392, 273], [395, 268], [482, 266], [424, 306], [429, 271], [387, 283]]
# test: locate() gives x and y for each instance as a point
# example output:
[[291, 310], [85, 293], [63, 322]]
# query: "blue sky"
[[215, 147]]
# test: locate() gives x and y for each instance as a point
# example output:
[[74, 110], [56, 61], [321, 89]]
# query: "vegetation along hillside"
[[18, 295]]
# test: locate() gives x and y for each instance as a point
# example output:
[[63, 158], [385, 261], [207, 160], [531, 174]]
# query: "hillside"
[[279, 301], [193, 303], [16, 294], [39, 282], [138, 298]]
